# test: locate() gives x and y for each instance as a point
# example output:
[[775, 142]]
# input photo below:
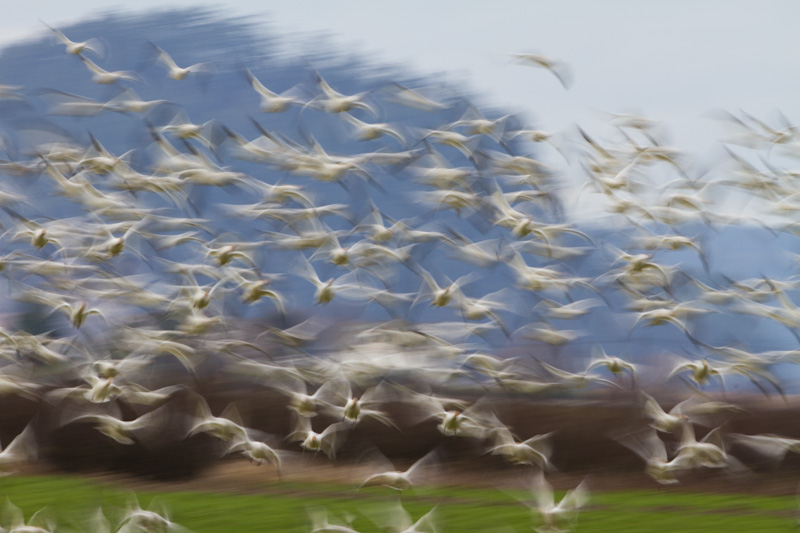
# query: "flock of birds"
[[142, 274]]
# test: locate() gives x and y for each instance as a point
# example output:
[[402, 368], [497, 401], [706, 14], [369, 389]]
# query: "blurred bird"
[[272, 102], [331, 392], [107, 77], [257, 451], [332, 101], [556, 67], [400, 521], [356, 408], [413, 98], [173, 70], [329, 441], [535, 450], [94, 45], [227, 427], [647, 445], [155, 518], [614, 364], [773, 447], [366, 131], [406, 479], [321, 524], [24, 447], [710, 452], [146, 429], [561, 517], [39, 522]]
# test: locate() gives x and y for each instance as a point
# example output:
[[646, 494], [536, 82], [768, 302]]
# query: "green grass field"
[[283, 507]]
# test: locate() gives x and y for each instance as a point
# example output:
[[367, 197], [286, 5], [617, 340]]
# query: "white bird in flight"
[[405, 479], [559, 69], [107, 77], [173, 70], [564, 515], [92, 45]]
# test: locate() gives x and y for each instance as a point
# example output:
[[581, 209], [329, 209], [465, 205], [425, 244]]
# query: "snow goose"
[[560, 517], [406, 479]]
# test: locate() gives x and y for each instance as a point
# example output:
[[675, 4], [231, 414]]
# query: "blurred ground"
[[581, 443]]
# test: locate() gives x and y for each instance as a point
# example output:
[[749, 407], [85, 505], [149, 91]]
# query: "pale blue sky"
[[668, 59], [674, 61]]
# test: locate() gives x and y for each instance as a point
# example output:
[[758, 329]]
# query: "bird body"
[[533, 451], [332, 101], [22, 448], [328, 441], [257, 451], [708, 452], [557, 517], [77, 48], [557, 68], [174, 71], [648, 446], [145, 429], [406, 479], [106, 77], [357, 409], [773, 447], [272, 102], [227, 427]]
